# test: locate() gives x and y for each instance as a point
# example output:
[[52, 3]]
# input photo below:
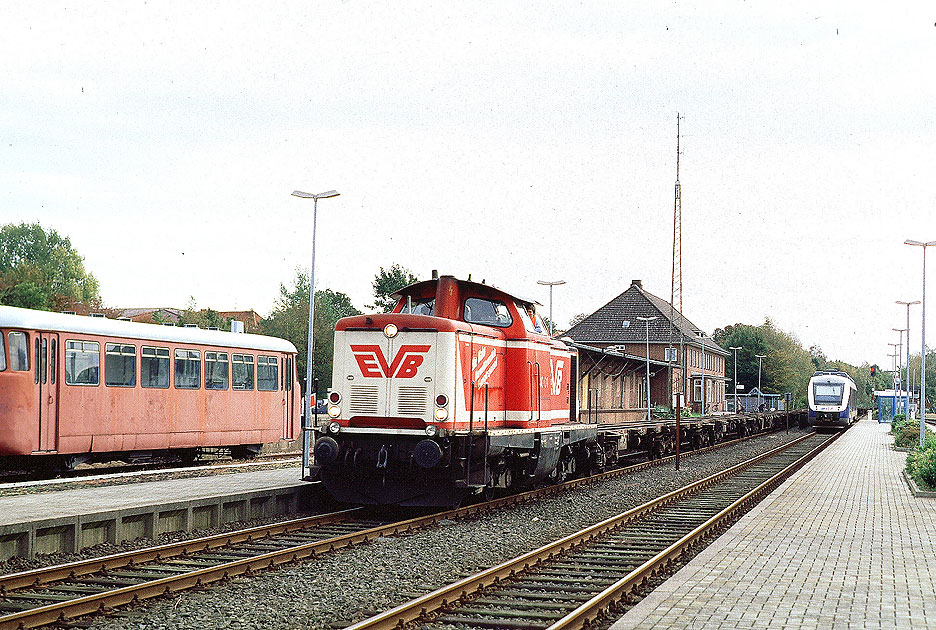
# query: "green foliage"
[[203, 318], [387, 282], [40, 269], [906, 433], [290, 320], [921, 462]]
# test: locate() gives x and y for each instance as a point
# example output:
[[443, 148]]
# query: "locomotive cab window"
[[242, 371], [187, 369], [267, 368], [82, 362], [154, 367], [19, 351], [119, 365], [487, 312], [216, 370]]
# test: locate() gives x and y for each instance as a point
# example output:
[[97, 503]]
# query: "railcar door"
[[45, 374], [288, 403]]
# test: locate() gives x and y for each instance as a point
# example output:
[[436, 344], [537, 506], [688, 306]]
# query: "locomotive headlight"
[[334, 427], [334, 411], [390, 330], [431, 430], [441, 414]]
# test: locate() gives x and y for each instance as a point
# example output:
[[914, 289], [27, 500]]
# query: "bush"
[[906, 435], [900, 423], [921, 463]]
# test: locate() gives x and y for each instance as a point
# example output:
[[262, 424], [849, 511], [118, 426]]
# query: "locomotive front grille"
[[411, 401], [364, 400]]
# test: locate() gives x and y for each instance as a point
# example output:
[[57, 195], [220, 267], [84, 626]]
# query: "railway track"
[[60, 593], [571, 582]]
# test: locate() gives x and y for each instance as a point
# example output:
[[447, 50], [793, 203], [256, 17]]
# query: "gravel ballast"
[[352, 584]]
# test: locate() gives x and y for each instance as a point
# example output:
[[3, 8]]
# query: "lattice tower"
[[676, 304]]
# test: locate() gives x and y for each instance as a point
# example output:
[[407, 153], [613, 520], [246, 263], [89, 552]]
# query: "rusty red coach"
[[76, 388], [457, 391]]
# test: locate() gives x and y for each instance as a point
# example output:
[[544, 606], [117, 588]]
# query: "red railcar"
[[455, 392], [74, 388]]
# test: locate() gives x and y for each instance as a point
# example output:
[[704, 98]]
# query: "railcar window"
[[267, 369], [216, 370], [44, 361], [487, 312], [19, 352], [2, 354], [119, 365], [242, 371], [52, 356], [187, 369], [82, 362], [154, 367]]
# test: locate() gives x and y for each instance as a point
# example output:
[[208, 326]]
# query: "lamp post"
[[760, 362], [551, 284], [900, 374], [648, 320], [735, 349], [923, 337], [894, 375], [909, 380], [306, 427]]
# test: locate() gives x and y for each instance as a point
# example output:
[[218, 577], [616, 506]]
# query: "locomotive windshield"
[[421, 306], [828, 393]]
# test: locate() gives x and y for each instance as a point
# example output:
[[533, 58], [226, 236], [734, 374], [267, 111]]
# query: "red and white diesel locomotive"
[[458, 391], [76, 388]]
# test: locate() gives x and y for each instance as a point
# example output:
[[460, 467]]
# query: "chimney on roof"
[[637, 283]]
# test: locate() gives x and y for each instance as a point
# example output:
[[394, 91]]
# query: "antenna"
[[676, 304]]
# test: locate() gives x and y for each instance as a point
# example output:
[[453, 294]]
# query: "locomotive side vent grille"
[[364, 400], [411, 401]]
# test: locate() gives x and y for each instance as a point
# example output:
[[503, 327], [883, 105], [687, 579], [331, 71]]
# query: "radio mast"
[[676, 304]]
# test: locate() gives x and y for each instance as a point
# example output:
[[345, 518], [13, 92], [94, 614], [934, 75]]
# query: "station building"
[[612, 344]]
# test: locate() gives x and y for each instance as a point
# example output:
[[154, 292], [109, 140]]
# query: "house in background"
[[613, 341]]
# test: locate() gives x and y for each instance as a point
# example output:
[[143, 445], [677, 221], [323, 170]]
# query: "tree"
[[40, 269], [389, 281], [290, 320], [577, 319], [204, 317]]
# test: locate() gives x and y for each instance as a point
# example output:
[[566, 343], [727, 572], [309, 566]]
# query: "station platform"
[[70, 520], [843, 543]]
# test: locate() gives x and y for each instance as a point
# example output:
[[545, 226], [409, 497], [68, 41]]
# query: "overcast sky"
[[511, 141]]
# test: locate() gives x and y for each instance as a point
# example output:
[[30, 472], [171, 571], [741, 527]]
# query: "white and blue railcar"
[[833, 399]]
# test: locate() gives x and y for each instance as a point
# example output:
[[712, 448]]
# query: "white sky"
[[512, 141]]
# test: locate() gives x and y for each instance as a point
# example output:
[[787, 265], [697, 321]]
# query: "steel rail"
[[80, 606], [408, 612]]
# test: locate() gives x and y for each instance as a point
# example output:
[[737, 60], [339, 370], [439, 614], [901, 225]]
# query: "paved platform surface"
[[841, 544], [68, 503]]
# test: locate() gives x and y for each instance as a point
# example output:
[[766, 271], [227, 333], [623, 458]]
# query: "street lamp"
[[894, 375], [760, 362], [900, 375], [309, 393], [909, 380], [736, 348], [552, 326], [923, 336], [648, 320]]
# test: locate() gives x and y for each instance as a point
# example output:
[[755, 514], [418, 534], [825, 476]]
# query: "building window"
[[19, 352], [267, 373], [242, 371], [154, 367], [82, 362], [119, 365], [187, 369], [216, 370], [697, 390]]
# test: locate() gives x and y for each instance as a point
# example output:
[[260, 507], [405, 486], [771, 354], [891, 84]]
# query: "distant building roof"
[[606, 325]]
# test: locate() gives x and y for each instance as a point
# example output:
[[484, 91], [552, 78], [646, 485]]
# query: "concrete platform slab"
[[841, 544], [69, 520]]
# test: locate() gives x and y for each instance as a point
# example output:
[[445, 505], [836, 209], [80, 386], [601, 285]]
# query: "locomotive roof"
[[417, 287], [13, 317]]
